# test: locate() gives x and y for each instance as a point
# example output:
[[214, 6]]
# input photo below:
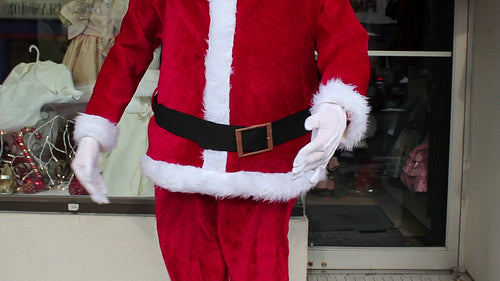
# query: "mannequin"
[[92, 26], [225, 189]]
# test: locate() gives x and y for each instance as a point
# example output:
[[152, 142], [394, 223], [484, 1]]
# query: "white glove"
[[86, 169], [328, 123]]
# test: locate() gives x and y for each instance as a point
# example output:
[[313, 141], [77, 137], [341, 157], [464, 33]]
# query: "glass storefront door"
[[393, 202]]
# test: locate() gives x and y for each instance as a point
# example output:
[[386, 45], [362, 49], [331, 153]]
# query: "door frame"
[[447, 257]]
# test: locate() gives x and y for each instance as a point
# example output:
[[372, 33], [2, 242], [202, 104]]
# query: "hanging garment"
[[92, 27], [28, 87], [121, 169], [405, 143], [415, 172]]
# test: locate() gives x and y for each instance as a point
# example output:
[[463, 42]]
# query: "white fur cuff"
[[100, 128], [355, 104]]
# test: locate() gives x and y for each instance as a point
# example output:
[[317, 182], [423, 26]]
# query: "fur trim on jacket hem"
[[273, 187]]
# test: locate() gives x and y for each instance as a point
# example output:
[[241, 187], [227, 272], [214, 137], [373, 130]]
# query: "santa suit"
[[237, 62]]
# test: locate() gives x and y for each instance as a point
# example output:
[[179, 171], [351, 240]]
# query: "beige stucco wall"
[[482, 188], [98, 247]]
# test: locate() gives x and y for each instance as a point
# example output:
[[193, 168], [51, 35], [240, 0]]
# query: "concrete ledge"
[[99, 247]]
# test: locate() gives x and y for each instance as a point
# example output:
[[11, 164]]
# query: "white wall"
[[482, 252], [60, 247]]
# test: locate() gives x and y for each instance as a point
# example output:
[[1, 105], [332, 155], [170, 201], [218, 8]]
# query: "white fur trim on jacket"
[[273, 187], [355, 104], [100, 128], [218, 61]]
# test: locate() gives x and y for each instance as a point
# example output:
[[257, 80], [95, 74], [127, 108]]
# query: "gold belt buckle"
[[239, 142]]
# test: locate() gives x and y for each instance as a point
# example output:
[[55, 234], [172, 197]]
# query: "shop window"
[[50, 54], [410, 93], [392, 190]]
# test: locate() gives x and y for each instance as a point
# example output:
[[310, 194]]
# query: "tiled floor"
[[322, 276]]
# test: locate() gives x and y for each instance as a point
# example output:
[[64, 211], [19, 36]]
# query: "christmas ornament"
[[43, 152], [28, 186], [75, 188], [7, 181], [38, 181]]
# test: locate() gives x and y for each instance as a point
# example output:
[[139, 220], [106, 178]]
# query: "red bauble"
[[75, 188], [32, 185], [39, 184], [28, 187]]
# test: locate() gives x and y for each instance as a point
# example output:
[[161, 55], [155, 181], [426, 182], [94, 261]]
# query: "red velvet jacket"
[[238, 62]]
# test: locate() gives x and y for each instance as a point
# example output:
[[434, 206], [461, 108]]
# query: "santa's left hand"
[[328, 123]]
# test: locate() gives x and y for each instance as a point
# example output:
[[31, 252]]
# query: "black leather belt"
[[244, 140]]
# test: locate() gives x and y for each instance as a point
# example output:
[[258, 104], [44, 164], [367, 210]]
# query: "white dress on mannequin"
[[122, 168]]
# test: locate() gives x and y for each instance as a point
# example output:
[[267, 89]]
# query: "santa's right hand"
[[85, 167]]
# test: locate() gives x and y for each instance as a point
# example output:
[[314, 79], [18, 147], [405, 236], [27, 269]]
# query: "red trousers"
[[202, 238]]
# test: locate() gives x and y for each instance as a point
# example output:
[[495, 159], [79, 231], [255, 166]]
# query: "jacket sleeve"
[[341, 43], [121, 72]]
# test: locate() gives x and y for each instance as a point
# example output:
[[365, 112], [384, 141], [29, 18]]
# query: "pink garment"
[[415, 171]]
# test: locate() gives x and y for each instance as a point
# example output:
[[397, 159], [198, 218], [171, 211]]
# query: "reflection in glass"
[[392, 190], [407, 25], [16, 35]]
